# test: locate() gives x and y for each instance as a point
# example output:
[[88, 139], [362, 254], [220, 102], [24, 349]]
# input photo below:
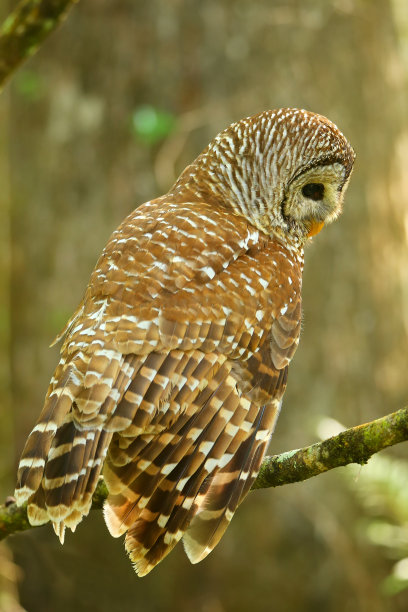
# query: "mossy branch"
[[355, 445], [25, 29]]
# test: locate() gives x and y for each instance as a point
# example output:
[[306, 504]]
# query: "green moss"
[[8, 25], [13, 519]]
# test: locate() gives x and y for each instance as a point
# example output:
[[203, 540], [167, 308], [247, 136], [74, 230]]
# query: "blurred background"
[[103, 118]]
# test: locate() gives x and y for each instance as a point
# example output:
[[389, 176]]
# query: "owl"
[[174, 364]]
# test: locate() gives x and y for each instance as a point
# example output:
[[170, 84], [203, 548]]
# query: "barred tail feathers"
[[64, 453], [219, 499], [173, 472], [58, 403]]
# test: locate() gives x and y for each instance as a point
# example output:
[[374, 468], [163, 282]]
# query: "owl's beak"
[[315, 228]]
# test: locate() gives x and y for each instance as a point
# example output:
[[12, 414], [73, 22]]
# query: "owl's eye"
[[314, 191]]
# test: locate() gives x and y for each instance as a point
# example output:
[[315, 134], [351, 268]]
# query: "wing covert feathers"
[[170, 381]]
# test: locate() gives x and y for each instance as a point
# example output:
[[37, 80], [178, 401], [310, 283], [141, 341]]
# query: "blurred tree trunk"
[[6, 412]]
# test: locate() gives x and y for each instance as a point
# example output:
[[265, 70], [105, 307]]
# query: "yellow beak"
[[315, 228]]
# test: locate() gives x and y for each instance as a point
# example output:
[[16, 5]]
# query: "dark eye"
[[314, 191]]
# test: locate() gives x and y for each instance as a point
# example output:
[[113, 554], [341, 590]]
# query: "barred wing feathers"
[[173, 367]]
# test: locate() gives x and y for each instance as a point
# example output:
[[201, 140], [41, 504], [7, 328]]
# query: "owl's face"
[[313, 198], [285, 171]]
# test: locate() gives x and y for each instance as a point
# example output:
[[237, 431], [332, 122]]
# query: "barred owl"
[[174, 364]]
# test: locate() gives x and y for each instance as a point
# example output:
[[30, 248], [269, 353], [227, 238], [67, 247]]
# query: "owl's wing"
[[173, 279], [177, 483], [188, 480]]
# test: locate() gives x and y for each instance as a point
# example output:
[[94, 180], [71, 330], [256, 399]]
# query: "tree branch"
[[25, 29], [355, 445]]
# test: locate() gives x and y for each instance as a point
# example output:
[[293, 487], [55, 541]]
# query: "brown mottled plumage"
[[174, 365]]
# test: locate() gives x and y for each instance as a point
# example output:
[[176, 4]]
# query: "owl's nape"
[[174, 365]]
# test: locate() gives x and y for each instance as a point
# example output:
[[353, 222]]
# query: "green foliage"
[[397, 581], [150, 125], [382, 489]]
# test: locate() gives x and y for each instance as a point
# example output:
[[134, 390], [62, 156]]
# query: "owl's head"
[[285, 171]]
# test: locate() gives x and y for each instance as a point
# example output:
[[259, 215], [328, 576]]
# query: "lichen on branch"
[[354, 445]]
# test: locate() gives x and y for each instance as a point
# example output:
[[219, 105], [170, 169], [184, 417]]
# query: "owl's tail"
[[64, 453], [187, 481]]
